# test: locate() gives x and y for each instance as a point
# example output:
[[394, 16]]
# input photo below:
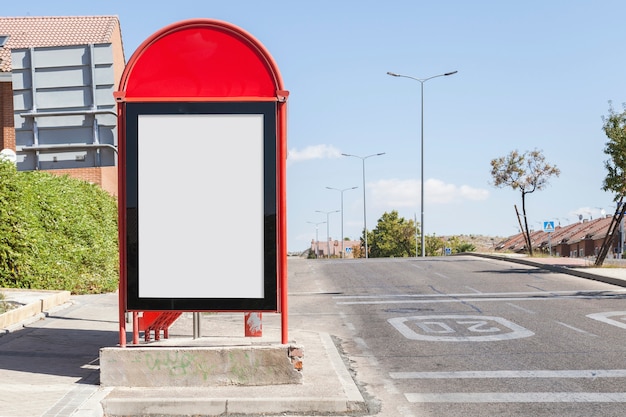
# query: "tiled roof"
[[593, 229], [26, 32]]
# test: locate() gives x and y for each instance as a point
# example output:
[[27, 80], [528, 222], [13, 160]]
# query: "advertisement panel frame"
[[164, 251]]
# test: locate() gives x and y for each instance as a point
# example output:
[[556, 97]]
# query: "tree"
[[458, 245], [527, 172], [393, 236], [358, 251], [434, 245], [614, 127]]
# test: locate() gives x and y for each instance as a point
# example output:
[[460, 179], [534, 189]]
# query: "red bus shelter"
[[202, 152]]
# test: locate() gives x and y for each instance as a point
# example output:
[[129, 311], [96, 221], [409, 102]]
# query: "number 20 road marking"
[[458, 328], [604, 317]]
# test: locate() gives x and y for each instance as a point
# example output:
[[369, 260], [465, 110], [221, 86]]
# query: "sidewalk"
[[50, 368], [582, 268]]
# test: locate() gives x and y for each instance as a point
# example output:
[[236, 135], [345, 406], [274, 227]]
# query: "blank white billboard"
[[200, 182]]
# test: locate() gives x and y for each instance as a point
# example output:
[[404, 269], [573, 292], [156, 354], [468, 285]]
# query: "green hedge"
[[56, 233]]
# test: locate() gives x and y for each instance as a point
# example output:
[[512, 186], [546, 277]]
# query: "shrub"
[[56, 233]]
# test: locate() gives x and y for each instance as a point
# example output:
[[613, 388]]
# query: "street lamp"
[[422, 81], [327, 213], [341, 191], [317, 241], [363, 158]]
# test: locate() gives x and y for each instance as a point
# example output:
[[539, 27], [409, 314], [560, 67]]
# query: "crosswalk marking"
[[593, 373], [518, 397]]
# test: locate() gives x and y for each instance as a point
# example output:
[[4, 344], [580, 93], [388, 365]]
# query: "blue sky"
[[531, 75]]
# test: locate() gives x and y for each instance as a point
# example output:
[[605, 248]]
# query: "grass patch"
[[4, 304]]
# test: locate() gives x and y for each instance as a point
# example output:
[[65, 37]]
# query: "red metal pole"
[[282, 207], [121, 220]]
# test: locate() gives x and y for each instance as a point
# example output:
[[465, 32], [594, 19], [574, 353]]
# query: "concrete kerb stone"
[[575, 271], [35, 304]]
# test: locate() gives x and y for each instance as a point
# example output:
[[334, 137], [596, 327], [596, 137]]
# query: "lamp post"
[[363, 158], [341, 191], [422, 81], [327, 213], [317, 241]]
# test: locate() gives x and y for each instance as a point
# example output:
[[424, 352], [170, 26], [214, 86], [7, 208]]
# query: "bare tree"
[[527, 172]]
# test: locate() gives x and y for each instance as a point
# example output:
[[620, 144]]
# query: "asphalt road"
[[465, 336]]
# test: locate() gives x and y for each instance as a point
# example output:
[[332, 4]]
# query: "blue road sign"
[[548, 227]]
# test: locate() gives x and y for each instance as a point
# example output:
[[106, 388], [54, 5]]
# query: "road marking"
[[361, 343], [474, 290], [473, 300], [592, 373], [577, 329], [442, 275], [518, 397], [525, 310], [604, 317], [586, 293], [458, 328], [390, 387]]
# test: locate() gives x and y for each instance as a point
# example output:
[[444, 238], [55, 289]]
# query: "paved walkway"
[[50, 368]]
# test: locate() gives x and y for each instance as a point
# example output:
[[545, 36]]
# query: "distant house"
[[322, 249], [578, 240], [57, 111]]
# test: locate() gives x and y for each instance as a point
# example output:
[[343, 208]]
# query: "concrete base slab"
[[326, 388], [197, 366], [175, 402]]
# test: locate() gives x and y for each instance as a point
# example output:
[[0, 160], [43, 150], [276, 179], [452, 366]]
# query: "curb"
[[36, 305], [576, 271]]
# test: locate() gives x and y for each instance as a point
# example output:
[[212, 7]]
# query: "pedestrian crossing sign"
[[548, 227]]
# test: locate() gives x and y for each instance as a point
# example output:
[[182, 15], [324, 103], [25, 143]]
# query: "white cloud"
[[589, 213], [405, 193], [313, 152]]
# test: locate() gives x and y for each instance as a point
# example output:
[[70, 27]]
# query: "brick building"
[[321, 249], [577, 240], [57, 111]]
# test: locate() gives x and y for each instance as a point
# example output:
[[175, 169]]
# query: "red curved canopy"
[[201, 58]]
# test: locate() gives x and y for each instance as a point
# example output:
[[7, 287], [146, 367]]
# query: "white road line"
[[442, 275], [518, 397], [474, 290], [486, 294], [465, 300], [390, 387], [361, 343], [590, 373], [604, 317], [525, 310], [576, 329]]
